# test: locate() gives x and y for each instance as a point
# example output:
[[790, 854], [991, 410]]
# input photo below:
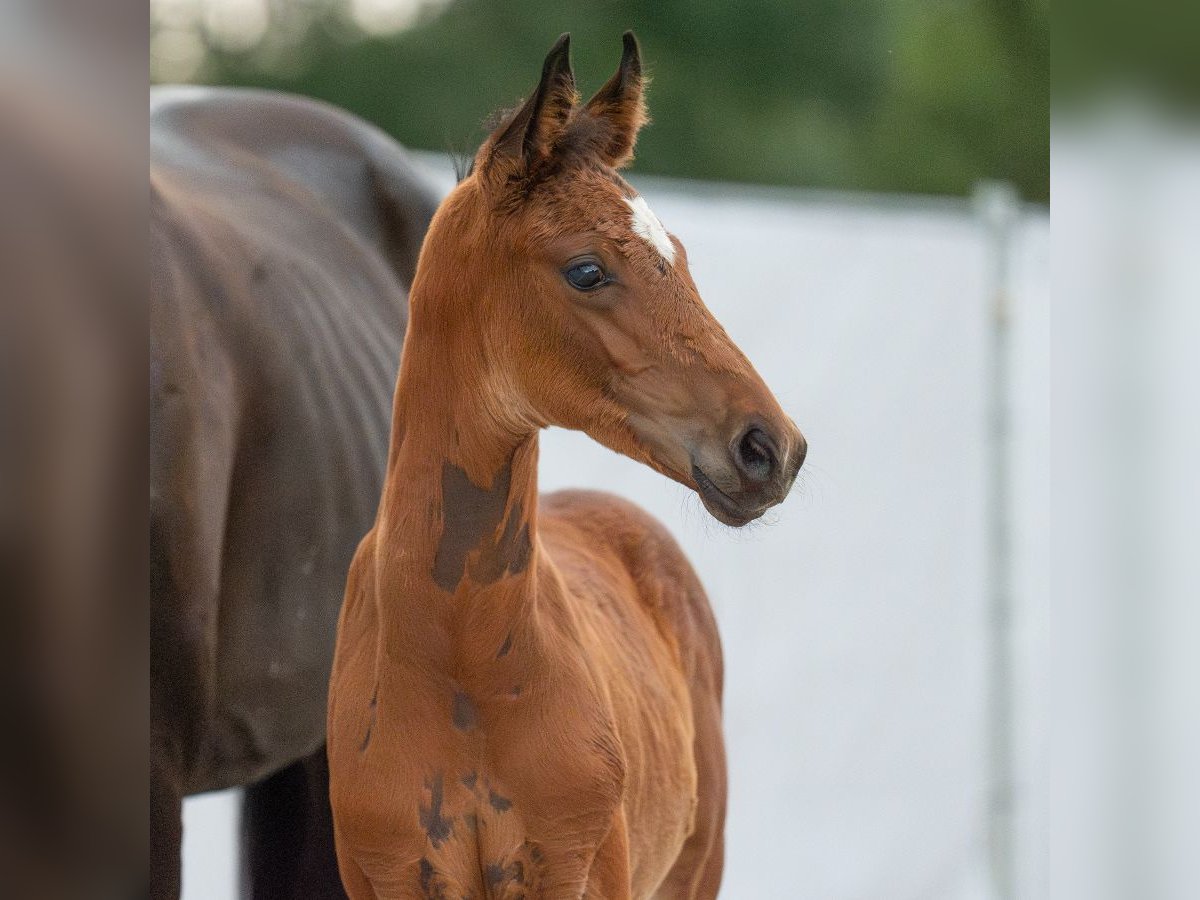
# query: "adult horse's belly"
[[301, 397], [292, 530]]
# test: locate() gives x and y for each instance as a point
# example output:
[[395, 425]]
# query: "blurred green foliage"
[[1128, 51], [925, 96]]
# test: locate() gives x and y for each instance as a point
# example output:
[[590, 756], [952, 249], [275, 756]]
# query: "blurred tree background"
[[917, 96]]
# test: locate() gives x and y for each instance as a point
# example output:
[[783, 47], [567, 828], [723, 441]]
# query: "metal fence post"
[[998, 208]]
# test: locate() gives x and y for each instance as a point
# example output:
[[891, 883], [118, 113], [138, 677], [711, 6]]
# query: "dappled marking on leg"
[[431, 887], [499, 875], [517, 874], [437, 827]]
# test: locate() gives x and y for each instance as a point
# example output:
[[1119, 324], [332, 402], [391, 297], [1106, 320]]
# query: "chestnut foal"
[[526, 694]]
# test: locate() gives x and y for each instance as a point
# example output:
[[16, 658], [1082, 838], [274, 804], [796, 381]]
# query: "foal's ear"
[[619, 108], [530, 134]]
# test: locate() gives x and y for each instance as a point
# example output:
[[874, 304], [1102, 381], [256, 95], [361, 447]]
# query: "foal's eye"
[[585, 275]]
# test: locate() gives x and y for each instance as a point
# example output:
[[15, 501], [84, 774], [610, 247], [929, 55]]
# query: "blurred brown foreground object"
[[73, 641]]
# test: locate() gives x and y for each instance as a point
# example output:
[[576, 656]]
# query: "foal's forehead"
[[646, 225], [605, 201]]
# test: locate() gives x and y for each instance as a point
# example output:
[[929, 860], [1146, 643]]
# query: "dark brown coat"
[[283, 236]]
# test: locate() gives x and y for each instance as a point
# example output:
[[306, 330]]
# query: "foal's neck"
[[456, 535]]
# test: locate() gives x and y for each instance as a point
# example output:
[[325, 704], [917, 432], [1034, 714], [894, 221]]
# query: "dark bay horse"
[[526, 696], [283, 237]]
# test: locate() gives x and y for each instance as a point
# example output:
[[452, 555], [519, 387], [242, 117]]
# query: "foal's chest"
[[494, 804]]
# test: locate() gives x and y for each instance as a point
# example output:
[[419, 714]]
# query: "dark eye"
[[586, 275]]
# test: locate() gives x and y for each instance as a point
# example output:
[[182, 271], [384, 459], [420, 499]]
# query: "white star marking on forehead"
[[647, 226]]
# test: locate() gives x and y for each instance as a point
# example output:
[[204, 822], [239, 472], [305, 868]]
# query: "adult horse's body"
[[283, 237], [526, 697]]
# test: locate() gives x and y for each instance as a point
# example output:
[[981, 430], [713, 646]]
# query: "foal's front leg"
[[609, 878]]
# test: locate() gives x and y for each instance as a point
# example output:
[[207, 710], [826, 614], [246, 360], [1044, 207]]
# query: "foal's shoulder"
[[596, 523], [612, 519], [600, 523]]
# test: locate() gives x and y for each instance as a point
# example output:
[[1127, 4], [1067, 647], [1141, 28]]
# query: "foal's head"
[[579, 308]]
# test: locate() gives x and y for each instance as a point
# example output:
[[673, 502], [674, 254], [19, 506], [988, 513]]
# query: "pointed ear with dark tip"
[[619, 107], [529, 134]]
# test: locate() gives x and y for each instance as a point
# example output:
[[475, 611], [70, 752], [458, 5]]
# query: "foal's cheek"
[[606, 358]]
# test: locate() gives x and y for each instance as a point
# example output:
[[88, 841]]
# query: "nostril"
[[756, 456]]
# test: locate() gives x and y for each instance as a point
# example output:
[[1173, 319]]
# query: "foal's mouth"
[[720, 504]]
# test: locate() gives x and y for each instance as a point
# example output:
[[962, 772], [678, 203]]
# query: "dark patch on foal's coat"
[[509, 555], [464, 715], [471, 515], [437, 827], [430, 889], [366, 741], [499, 803], [498, 875]]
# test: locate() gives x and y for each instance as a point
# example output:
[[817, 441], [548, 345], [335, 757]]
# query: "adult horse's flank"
[[283, 236], [526, 697]]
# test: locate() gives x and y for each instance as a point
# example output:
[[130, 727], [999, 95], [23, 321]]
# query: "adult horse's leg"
[[166, 827], [191, 452], [180, 673], [287, 835]]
